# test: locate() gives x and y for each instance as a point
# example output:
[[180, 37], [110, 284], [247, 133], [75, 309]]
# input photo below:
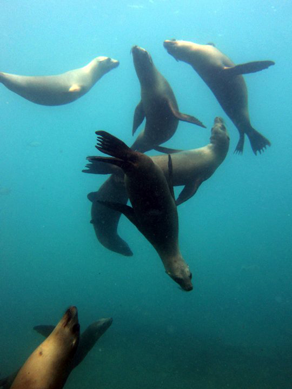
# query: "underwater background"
[[234, 330]]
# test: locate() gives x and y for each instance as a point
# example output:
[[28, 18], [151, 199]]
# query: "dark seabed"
[[234, 330]]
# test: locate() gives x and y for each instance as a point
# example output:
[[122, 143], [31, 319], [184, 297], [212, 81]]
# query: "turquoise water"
[[234, 329]]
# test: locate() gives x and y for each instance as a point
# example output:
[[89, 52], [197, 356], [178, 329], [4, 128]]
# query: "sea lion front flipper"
[[184, 117], [139, 116], [44, 330], [249, 67], [170, 176], [188, 191], [75, 88], [124, 209], [166, 150], [6, 383]]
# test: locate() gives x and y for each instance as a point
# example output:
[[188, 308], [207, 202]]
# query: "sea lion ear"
[[211, 44]]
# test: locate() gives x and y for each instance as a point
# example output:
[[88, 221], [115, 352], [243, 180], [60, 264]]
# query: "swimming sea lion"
[[154, 211], [190, 169], [60, 89], [50, 364], [87, 340], [158, 105], [103, 218], [225, 80]]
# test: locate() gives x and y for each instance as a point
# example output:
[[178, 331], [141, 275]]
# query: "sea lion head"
[[106, 63], [98, 328], [219, 134], [143, 63], [68, 328], [182, 50], [183, 277]]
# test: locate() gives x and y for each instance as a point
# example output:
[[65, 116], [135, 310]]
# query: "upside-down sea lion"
[[225, 80], [190, 169], [158, 105], [154, 211], [87, 340], [59, 89], [50, 364]]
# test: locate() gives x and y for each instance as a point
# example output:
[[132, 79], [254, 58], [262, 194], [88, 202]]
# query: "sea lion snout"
[[71, 318], [184, 280]]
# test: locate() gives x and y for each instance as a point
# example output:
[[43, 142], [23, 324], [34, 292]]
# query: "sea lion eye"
[[191, 276]]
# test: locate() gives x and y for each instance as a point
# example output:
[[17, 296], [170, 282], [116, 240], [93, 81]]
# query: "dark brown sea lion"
[[154, 211], [87, 340], [158, 105], [225, 80], [60, 89], [50, 364], [190, 169]]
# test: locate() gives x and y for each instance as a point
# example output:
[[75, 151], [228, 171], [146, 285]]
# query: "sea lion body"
[[59, 89], [154, 211], [87, 340], [225, 80], [190, 169], [158, 105], [50, 364]]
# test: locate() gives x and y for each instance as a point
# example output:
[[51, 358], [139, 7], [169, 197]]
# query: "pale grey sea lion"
[[225, 80], [59, 89]]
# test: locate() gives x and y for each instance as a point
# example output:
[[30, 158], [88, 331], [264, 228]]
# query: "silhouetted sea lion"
[[158, 105], [59, 89], [190, 169], [87, 340], [50, 364], [154, 211], [225, 80]]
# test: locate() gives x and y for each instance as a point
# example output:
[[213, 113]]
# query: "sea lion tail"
[[257, 141]]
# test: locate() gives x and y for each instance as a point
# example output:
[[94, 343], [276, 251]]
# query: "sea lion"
[[154, 211], [158, 105], [190, 169], [106, 220], [59, 89], [225, 80], [50, 364], [87, 340]]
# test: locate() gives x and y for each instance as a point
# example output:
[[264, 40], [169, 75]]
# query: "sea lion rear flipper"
[[139, 116], [96, 167], [109, 144], [184, 117], [249, 67], [44, 330], [166, 150], [124, 209], [114, 161], [188, 191]]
